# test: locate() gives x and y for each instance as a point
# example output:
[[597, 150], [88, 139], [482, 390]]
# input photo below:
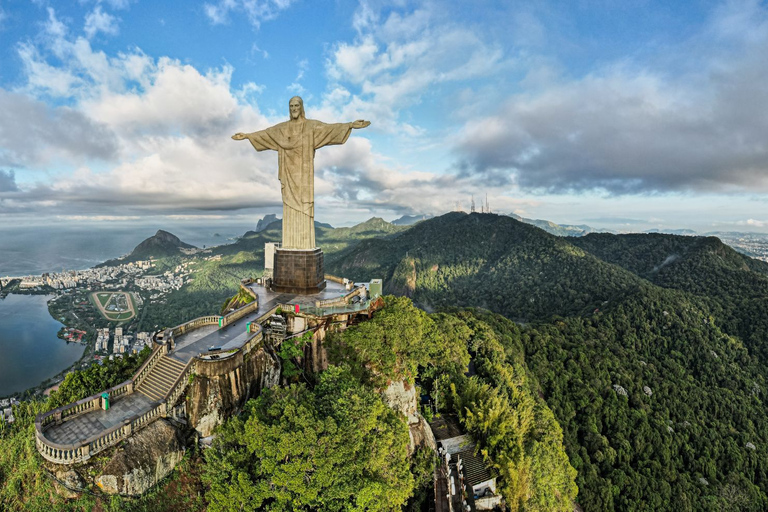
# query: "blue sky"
[[625, 115]]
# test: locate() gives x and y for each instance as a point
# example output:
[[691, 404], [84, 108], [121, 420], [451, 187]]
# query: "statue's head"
[[296, 108]]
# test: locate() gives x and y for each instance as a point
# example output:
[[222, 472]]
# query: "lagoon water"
[[30, 351]]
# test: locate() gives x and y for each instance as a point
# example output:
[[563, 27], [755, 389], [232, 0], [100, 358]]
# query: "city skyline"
[[628, 117]]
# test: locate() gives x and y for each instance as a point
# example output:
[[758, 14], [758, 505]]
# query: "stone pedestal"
[[299, 271]]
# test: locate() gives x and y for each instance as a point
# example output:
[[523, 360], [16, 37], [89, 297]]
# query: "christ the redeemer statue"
[[295, 142]]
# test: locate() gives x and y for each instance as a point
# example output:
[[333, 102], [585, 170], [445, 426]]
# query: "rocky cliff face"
[[145, 459], [404, 399], [219, 389], [265, 222], [421, 434]]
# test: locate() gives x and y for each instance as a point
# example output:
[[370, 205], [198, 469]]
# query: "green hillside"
[[488, 261], [607, 317], [734, 286]]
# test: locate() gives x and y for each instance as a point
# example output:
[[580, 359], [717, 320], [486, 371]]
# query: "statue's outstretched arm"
[[360, 124], [261, 140]]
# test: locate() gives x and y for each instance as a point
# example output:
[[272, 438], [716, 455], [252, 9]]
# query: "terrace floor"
[[91, 423]]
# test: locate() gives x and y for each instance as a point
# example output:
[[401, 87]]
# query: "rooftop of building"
[[475, 470], [447, 426]]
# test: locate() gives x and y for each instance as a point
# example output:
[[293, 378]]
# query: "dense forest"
[[332, 444], [652, 350]]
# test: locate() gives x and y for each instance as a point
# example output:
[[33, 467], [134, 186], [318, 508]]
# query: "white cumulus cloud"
[[257, 11], [98, 21]]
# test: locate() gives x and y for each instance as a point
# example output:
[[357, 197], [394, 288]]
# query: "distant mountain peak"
[[166, 236], [408, 220], [265, 222], [159, 245], [558, 229]]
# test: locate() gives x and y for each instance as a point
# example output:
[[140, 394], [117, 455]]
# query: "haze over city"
[[627, 116]]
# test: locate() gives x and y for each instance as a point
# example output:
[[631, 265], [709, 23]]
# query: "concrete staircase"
[[161, 378]]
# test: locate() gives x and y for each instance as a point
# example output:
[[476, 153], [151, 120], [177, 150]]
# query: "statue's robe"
[[295, 142]]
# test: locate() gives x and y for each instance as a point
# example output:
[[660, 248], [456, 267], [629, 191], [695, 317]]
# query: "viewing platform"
[[74, 432]]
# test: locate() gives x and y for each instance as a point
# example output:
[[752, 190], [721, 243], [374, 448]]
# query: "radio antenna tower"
[[472, 207]]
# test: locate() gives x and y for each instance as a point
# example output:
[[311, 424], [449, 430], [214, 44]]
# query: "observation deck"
[[73, 433]]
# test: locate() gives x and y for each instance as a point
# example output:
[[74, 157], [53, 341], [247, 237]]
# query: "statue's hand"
[[360, 123], [239, 136]]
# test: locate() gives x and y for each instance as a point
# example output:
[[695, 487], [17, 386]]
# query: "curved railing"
[[80, 407], [244, 286], [72, 453], [196, 323], [236, 315], [82, 451], [258, 335], [335, 279]]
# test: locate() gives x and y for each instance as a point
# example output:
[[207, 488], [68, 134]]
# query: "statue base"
[[298, 271]]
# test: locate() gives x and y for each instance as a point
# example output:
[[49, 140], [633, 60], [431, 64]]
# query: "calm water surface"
[[34, 250], [30, 352]]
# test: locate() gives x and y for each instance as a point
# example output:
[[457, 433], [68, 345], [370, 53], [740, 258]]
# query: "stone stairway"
[[161, 378]]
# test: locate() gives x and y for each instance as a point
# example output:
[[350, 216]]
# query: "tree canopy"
[[334, 447]]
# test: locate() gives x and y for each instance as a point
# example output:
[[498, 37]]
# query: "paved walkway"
[[89, 424], [234, 335], [268, 299], [186, 347]]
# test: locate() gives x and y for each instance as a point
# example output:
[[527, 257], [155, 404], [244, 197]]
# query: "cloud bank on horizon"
[[648, 113]]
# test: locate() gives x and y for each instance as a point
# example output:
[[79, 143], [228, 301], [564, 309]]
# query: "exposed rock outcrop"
[[403, 399], [421, 435], [265, 222], [144, 460], [220, 388], [68, 483]]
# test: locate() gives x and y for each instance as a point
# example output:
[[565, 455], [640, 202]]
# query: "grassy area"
[[104, 299], [120, 317]]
